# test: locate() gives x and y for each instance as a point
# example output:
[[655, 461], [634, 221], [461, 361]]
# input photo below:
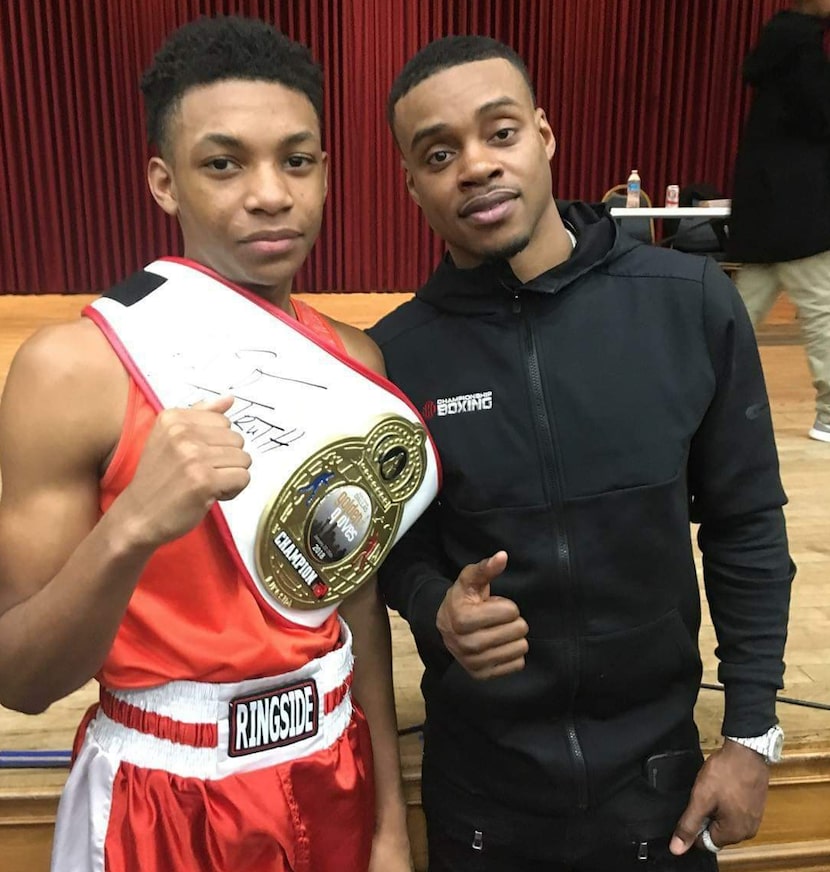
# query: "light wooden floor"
[[805, 468]]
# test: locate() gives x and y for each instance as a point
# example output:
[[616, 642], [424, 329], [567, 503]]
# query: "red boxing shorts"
[[266, 775]]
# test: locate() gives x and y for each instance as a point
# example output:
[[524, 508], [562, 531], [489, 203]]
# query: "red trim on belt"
[[334, 697], [160, 726], [195, 735]]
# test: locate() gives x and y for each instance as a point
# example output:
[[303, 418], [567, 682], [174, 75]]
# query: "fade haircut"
[[450, 51], [210, 50]]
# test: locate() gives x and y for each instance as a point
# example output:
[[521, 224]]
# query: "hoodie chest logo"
[[481, 401]]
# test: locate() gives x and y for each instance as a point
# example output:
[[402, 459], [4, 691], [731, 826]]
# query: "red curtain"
[[648, 83]]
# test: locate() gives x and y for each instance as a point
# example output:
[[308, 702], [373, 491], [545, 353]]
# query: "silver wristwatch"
[[769, 745]]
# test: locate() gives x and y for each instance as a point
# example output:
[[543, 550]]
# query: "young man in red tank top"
[[125, 578]]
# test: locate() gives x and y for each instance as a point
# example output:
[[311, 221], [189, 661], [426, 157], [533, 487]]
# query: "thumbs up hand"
[[486, 634]]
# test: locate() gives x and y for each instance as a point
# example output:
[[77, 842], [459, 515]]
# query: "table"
[[672, 212]]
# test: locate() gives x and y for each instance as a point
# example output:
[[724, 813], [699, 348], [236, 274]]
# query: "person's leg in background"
[[808, 284], [759, 285]]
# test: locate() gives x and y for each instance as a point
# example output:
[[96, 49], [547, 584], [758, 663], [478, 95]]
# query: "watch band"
[[768, 745]]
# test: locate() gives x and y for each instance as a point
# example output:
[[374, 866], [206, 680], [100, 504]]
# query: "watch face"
[[777, 745]]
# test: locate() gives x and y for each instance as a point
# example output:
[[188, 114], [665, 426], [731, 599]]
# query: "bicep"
[[49, 499]]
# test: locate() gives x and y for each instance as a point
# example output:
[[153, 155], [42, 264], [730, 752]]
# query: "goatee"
[[507, 251]]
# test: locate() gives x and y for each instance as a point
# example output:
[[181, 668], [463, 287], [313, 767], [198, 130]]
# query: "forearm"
[[737, 498], [54, 641], [748, 575], [373, 689]]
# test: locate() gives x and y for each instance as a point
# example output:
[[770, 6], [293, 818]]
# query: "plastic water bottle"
[[632, 193]]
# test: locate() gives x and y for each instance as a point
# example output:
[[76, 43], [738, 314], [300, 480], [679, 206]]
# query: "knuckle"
[[466, 575], [171, 425], [470, 647], [197, 476], [188, 450], [510, 611], [685, 831], [459, 622]]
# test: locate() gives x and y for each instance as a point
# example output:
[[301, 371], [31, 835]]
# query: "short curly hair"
[[209, 50], [444, 53]]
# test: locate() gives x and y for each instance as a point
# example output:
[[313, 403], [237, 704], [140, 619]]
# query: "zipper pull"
[[478, 840], [517, 302], [642, 851]]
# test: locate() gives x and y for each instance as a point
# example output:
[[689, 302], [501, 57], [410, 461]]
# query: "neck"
[[549, 247], [279, 297]]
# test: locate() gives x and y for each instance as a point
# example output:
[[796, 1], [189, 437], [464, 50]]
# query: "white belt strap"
[[208, 731], [186, 335]]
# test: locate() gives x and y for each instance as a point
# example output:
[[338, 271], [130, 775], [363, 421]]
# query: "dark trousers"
[[451, 854], [627, 832]]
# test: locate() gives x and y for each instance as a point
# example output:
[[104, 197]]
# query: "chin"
[[269, 277], [506, 250]]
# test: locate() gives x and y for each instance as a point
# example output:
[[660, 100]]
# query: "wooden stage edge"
[[795, 834]]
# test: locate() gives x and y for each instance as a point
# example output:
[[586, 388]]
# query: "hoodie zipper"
[[552, 479]]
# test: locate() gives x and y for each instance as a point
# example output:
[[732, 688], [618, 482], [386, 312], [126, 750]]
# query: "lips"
[[277, 235], [486, 202]]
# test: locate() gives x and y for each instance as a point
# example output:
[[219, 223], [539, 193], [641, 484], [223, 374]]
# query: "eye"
[[221, 164], [300, 161], [438, 158], [505, 134]]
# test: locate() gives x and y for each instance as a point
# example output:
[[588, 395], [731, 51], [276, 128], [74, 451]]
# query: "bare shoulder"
[[63, 349], [360, 346], [66, 378]]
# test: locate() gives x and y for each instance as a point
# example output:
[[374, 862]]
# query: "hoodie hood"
[[781, 40], [491, 287]]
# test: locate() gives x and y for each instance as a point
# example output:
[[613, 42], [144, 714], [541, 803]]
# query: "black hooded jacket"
[[583, 420], [781, 195]]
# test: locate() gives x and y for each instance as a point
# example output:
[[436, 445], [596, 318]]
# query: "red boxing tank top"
[[192, 616]]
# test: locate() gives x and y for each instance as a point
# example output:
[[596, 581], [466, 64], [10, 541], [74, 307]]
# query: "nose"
[[478, 165], [269, 191]]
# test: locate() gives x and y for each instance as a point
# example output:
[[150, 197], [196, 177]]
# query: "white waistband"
[[260, 722]]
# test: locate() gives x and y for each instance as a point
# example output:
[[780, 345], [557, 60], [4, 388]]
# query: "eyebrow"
[[224, 140], [484, 109]]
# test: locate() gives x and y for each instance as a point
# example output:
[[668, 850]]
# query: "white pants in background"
[[807, 283]]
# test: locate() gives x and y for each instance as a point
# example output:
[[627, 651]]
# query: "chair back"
[[698, 235], [639, 228]]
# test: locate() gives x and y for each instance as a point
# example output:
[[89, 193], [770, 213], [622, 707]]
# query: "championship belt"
[[342, 463]]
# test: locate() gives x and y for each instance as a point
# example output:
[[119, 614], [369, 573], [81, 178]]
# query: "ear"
[[410, 184], [162, 185], [325, 162], [546, 133]]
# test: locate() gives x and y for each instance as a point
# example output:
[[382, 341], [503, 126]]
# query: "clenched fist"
[[191, 459]]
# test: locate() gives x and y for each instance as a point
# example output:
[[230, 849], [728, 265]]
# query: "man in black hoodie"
[[590, 396], [780, 224]]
